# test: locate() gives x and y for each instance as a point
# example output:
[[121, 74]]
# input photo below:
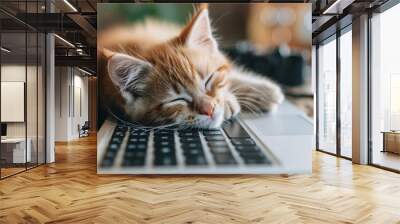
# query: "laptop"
[[274, 143]]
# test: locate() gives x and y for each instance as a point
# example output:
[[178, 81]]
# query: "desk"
[[13, 150]]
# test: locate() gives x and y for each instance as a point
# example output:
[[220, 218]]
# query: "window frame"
[[333, 37]]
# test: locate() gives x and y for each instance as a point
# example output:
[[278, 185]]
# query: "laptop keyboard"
[[228, 146]]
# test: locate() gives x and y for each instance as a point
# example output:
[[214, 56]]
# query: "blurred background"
[[272, 39]]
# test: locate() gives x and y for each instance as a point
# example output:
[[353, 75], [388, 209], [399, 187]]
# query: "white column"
[[50, 98], [360, 90], [50, 93]]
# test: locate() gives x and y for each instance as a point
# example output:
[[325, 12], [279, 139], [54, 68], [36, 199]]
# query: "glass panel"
[[327, 97], [385, 84], [31, 98], [13, 87], [346, 94], [41, 98], [23, 82]]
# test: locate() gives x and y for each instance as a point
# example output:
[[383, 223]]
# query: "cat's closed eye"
[[208, 83], [175, 101]]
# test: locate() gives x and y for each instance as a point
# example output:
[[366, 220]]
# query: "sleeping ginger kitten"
[[157, 74]]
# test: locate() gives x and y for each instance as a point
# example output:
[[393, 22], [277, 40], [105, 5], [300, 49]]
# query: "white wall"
[[70, 83], [61, 103], [14, 73], [33, 126]]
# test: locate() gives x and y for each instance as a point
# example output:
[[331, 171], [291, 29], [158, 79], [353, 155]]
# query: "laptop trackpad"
[[275, 124]]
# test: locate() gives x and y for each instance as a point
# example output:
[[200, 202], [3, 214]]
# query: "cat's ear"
[[198, 33], [127, 72]]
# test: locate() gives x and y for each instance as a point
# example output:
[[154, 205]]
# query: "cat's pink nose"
[[206, 108]]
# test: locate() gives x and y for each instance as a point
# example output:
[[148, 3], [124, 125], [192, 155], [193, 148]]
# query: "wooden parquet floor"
[[70, 191]]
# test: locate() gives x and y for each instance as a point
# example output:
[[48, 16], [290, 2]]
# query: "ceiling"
[[327, 13], [72, 20]]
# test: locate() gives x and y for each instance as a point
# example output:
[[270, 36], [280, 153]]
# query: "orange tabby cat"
[[156, 74]]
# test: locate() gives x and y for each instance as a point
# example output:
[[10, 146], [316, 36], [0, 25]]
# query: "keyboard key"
[[234, 130], [188, 134], [144, 133], [191, 145], [163, 132], [198, 160], [133, 162], [215, 138], [121, 128], [110, 155], [107, 162], [255, 159], [116, 140], [136, 140], [119, 133], [212, 132], [113, 147], [159, 140], [223, 149], [133, 140], [243, 141], [162, 150], [165, 161], [163, 144], [191, 140], [247, 148], [164, 137], [193, 152], [135, 154], [224, 158], [252, 155], [136, 147], [217, 144]]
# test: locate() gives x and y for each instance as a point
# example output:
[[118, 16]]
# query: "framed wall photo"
[[192, 94]]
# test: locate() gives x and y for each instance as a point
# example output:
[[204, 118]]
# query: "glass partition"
[[31, 99], [22, 88], [14, 143], [327, 96]]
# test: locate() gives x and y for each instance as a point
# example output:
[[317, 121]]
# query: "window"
[[346, 93], [334, 138], [385, 89], [327, 96]]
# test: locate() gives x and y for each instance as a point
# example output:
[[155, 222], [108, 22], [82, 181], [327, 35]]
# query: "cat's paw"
[[271, 96], [261, 96], [231, 106]]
